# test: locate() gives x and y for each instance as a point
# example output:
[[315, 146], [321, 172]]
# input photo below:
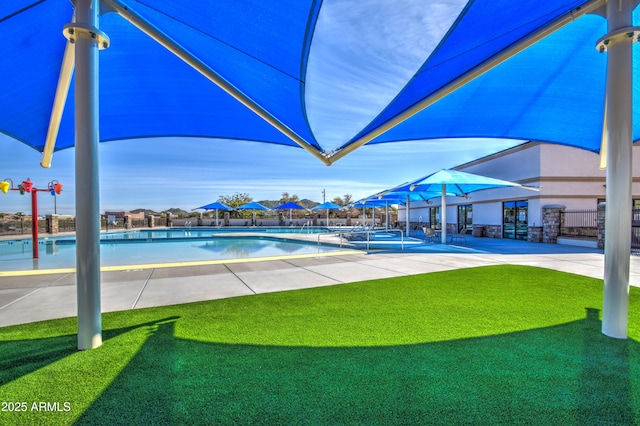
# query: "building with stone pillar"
[[566, 176]]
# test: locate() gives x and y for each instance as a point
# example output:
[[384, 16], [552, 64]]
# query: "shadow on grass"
[[565, 374], [21, 357]]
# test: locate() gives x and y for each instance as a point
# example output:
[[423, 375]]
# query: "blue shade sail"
[[214, 206], [290, 205], [553, 91], [259, 47], [327, 205], [456, 184], [252, 206]]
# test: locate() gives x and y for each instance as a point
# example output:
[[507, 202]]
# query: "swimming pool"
[[199, 232], [159, 246]]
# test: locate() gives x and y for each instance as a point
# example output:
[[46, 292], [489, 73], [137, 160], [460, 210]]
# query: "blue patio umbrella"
[[253, 206], [291, 206], [327, 205], [373, 203], [215, 206], [453, 182], [389, 196]]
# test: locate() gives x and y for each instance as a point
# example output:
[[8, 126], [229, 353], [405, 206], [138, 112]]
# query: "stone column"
[[602, 208], [127, 221], [150, 221], [200, 219], [52, 224], [551, 222], [169, 220]]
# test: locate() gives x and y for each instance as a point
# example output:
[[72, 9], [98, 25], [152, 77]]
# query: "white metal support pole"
[[386, 215], [443, 214], [373, 216], [407, 216], [87, 190], [619, 88]]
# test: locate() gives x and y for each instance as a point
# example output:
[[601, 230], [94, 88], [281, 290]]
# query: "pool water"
[[204, 232], [153, 246]]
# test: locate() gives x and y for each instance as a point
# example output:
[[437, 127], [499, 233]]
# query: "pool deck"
[[52, 294]]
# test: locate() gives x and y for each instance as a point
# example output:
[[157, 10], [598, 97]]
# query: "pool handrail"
[[341, 235]]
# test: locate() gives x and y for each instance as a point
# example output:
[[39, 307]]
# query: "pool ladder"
[[308, 225]]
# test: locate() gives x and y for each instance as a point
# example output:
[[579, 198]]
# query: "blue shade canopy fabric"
[[252, 206], [457, 184], [328, 205], [290, 205], [382, 198], [214, 206], [258, 47], [553, 91], [451, 182]]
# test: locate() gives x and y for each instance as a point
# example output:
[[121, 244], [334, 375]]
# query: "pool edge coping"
[[32, 272]]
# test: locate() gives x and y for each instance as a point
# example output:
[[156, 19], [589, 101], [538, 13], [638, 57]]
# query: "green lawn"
[[500, 344]]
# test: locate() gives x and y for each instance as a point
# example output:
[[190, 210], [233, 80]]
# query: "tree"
[[235, 200], [345, 200], [286, 198]]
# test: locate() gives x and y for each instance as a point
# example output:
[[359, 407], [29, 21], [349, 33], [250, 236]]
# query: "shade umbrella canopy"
[[452, 182], [457, 183], [327, 205], [215, 206], [253, 205], [399, 196], [291, 206]]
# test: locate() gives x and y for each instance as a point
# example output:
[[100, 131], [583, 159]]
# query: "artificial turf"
[[491, 345]]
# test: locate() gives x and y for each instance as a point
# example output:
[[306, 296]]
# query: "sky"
[[362, 54]]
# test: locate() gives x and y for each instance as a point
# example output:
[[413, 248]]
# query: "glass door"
[[434, 217], [515, 220], [465, 217]]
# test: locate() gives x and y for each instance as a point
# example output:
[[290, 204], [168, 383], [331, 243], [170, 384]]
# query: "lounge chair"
[[430, 234], [460, 236]]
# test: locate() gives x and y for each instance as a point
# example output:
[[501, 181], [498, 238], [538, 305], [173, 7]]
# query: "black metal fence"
[[579, 223], [635, 232]]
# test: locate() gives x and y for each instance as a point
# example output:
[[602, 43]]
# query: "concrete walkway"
[[28, 298]]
